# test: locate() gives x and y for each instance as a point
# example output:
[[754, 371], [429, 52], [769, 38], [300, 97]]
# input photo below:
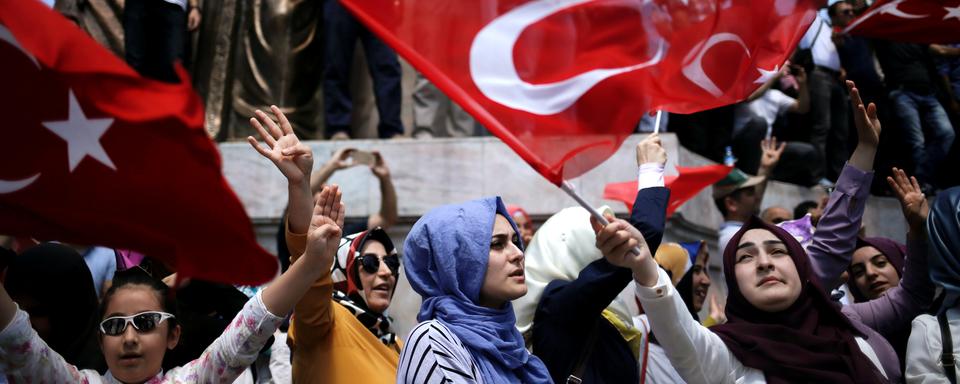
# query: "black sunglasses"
[[371, 263], [143, 322]]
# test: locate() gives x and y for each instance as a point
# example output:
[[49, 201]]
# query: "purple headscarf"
[[895, 253], [811, 341]]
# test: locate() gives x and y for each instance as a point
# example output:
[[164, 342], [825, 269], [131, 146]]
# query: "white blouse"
[[26, 358], [698, 354]]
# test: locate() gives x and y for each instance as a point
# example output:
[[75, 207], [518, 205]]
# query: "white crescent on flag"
[[889, 9], [694, 70], [493, 71], [11, 186]]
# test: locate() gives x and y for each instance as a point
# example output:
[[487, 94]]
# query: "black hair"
[[721, 201], [6, 257], [832, 9], [801, 209], [138, 276], [69, 305]]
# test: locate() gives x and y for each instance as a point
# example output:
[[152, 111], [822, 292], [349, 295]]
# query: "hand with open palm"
[[293, 158], [912, 200], [771, 154], [326, 226]]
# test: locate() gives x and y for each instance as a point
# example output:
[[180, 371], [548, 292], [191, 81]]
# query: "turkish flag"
[[684, 186], [916, 21], [564, 82], [93, 153]]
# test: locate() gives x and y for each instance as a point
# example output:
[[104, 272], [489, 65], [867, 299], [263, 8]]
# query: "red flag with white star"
[[93, 153], [563, 83], [915, 21], [684, 186]]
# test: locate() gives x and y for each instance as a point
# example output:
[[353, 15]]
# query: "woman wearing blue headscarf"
[[925, 346], [466, 261]]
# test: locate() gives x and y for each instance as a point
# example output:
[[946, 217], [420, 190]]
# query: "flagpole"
[[568, 188], [656, 124]]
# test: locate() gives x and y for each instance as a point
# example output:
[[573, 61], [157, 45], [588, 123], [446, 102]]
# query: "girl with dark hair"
[[137, 325]]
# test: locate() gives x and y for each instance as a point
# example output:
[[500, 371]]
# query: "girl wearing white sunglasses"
[[137, 326]]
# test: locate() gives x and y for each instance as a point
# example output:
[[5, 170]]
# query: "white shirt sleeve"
[[697, 354], [650, 175]]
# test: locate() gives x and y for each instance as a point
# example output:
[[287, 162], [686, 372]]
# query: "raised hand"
[[617, 241], [912, 200], [323, 238], [339, 159], [293, 158], [325, 226], [379, 167], [771, 153], [864, 118], [650, 150]]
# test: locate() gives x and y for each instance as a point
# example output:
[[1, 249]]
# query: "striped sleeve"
[[434, 355]]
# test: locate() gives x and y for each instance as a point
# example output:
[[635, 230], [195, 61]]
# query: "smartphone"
[[362, 157]]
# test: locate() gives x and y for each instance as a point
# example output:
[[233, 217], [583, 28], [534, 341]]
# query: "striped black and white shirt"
[[433, 354]]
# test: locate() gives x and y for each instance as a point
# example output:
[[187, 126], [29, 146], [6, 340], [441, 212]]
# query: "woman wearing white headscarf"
[[577, 327]]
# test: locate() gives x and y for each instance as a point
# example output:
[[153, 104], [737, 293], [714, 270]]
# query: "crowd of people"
[[916, 86], [577, 300], [808, 297]]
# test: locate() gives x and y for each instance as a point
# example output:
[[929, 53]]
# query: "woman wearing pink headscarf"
[[520, 216]]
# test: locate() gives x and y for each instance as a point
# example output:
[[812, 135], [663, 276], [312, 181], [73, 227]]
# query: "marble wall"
[[428, 173]]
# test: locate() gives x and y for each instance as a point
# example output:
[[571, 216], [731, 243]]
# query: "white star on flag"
[[82, 135], [953, 12], [766, 75]]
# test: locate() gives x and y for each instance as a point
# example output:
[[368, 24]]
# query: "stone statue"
[[246, 54], [279, 62]]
